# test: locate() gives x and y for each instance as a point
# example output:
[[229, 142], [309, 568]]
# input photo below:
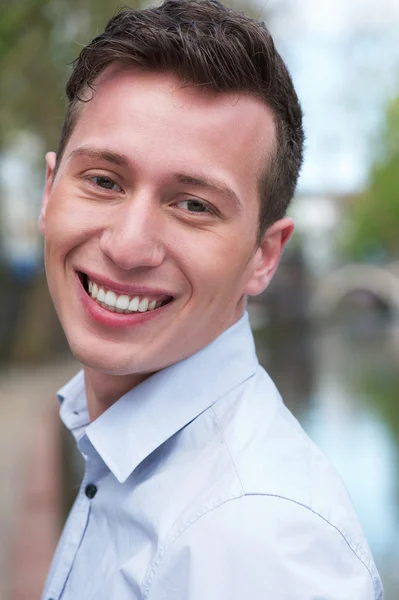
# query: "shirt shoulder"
[[260, 546], [265, 495], [274, 457], [272, 454]]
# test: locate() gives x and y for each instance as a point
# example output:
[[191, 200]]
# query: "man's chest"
[[116, 532], [113, 529]]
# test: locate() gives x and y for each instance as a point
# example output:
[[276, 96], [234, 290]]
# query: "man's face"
[[156, 203]]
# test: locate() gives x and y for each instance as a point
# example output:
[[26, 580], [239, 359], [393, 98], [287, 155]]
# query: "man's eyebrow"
[[210, 184], [101, 153], [185, 178]]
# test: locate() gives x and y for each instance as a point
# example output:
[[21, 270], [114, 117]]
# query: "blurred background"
[[327, 329]]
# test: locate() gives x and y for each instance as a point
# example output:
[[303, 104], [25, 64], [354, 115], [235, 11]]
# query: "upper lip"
[[125, 288]]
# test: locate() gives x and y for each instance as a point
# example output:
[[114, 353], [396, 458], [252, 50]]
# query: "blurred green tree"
[[373, 217], [38, 39]]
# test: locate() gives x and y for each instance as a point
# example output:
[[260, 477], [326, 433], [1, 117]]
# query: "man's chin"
[[108, 363]]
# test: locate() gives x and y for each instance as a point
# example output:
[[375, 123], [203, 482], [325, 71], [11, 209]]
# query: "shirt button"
[[91, 490]]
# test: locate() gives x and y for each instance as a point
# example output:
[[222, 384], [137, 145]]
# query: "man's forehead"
[[183, 93]]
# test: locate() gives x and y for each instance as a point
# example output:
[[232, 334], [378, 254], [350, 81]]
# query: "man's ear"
[[51, 159], [267, 256]]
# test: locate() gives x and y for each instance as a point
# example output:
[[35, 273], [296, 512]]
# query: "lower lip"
[[114, 319]]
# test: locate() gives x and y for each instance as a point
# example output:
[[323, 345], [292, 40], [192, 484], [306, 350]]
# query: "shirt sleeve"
[[262, 548]]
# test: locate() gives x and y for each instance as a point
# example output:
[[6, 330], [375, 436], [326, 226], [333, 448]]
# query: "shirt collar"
[[73, 411], [147, 416]]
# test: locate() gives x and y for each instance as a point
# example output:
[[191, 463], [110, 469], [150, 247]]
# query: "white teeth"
[[134, 304], [110, 298], [122, 302], [143, 305]]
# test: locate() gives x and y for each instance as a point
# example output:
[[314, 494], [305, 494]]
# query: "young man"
[[163, 209]]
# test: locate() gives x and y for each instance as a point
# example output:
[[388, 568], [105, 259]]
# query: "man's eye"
[[105, 182], [195, 206]]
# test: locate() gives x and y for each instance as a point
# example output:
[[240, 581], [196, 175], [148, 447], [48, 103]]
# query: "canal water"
[[341, 380]]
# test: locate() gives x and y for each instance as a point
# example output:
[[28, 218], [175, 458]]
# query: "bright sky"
[[344, 58], [344, 16]]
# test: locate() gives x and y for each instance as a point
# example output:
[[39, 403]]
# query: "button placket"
[[79, 519], [76, 526]]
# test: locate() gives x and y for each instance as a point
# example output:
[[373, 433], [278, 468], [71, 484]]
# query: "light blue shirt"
[[206, 488]]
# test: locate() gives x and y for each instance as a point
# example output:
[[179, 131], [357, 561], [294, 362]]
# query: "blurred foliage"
[[374, 215], [381, 392], [38, 40]]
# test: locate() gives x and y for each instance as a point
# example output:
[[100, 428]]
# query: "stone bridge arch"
[[382, 282]]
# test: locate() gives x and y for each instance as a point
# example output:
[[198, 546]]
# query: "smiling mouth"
[[122, 303]]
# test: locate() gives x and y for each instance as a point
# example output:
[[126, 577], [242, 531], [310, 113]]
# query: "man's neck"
[[103, 389]]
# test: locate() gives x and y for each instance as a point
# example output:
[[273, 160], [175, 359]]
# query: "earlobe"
[[268, 254], [51, 159]]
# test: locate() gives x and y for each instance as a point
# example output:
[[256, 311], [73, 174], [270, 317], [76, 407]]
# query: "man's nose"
[[133, 236]]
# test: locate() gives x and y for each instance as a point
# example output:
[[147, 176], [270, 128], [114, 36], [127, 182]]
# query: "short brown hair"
[[204, 43]]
